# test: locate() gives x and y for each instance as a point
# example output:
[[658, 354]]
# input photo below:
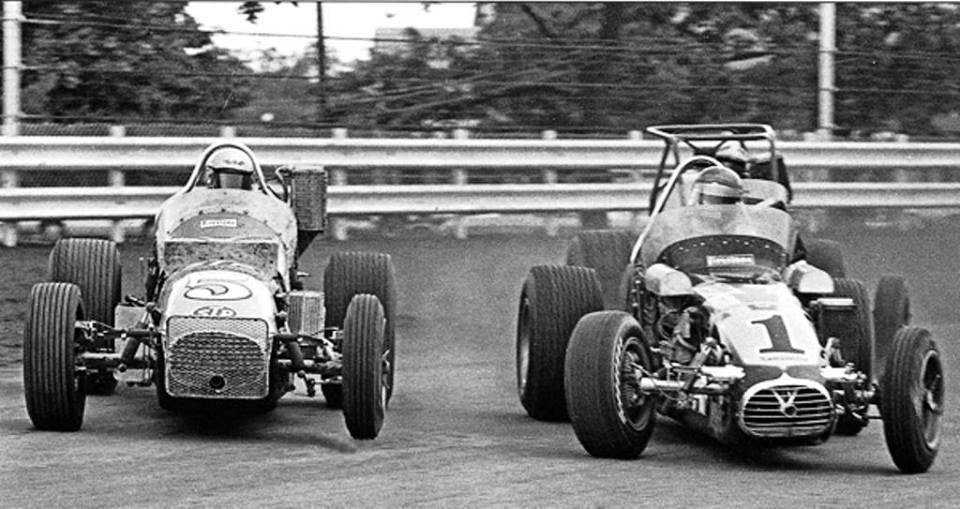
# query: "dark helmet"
[[717, 185], [229, 168]]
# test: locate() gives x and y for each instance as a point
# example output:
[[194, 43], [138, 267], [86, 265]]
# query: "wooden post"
[[338, 177], [551, 222], [12, 17], [460, 178], [9, 179], [116, 179]]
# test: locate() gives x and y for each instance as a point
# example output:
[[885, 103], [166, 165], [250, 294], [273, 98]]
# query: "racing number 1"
[[778, 335]]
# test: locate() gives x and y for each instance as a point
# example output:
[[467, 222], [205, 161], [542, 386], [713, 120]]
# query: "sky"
[[343, 19]]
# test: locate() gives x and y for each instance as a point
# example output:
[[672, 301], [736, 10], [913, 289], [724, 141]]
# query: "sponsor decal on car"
[[207, 289], [730, 260], [225, 222], [215, 311]]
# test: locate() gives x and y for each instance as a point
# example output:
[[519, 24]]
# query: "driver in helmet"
[[229, 168], [717, 185]]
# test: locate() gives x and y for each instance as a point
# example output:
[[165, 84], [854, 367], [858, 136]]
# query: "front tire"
[[552, 300], [53, 385], [912, 397], [364, 365], [605, 360]]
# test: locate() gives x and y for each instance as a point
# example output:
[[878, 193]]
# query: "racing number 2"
[[778, 335]]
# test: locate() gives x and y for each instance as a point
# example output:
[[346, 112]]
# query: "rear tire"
[[856, 346], [912, 396], [610, 416], [891, 311], [552, 300], [352, 273], [54, 388], [333, 394], [94, 266], [364, 388], [607, 252], [826, 255]]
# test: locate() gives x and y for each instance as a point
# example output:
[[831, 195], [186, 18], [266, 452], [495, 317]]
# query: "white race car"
[[725, 323], [224, 324]]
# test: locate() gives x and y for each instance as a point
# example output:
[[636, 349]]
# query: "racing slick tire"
[[625, 290], [351, 273], [825, 255], [55, 390], [333, 394], [856, 346], [610, 416], [94, 266], [552, 300], [607, 252], [891, 311], [364, 367], [912, 397]]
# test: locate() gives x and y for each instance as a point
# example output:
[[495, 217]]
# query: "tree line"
[[582, 68]]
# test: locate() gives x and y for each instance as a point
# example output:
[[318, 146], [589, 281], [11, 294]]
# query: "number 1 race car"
[[724, 320], [225, 325]]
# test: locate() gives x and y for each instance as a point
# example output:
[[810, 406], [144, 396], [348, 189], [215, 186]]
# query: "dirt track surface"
[[455, 433]]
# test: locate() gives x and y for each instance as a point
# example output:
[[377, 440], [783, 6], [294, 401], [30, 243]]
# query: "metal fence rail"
[[542, 158], [53, 152]]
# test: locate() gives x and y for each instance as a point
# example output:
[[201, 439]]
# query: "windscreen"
[[697, 237]]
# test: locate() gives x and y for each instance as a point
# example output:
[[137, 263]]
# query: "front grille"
[[786, 410], [217, 358]]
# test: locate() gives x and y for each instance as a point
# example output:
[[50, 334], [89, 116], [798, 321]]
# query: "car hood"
[[761, 324], [220, 290]]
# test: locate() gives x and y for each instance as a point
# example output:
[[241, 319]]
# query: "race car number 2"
[[217, 290]]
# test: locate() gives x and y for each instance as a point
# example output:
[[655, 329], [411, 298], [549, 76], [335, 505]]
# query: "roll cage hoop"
[[704, 140], [258, 177], [698, 137]]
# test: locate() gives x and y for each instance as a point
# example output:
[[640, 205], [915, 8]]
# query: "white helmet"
[[229, 167], [718, 185]]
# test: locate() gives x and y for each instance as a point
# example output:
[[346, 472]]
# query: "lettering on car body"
[[215, 311], [226, 222]]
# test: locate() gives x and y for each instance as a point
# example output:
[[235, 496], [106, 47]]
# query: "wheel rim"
[[79, 368], [632, 404], [931, 397], [384, 381], [523, 345]]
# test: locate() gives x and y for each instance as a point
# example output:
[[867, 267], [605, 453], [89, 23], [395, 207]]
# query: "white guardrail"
[[121, 155]]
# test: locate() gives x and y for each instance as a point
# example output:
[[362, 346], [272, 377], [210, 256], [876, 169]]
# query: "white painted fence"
[[631, 158]]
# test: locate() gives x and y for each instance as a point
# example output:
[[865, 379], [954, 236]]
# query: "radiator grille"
[[217, 358], [791, 410]]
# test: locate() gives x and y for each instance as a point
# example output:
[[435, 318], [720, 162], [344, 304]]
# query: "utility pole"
[[12, 14], [828, 49], [321, 67]]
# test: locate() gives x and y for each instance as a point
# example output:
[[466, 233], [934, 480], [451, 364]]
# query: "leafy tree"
[[116, 59], [614, 66], [627, 65], [640, 63], [897, 65], [601, 66]]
